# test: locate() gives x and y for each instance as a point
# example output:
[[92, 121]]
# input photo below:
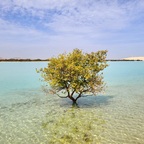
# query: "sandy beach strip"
[[134, 58]]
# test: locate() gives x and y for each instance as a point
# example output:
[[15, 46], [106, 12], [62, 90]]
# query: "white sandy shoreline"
[[134, 58]]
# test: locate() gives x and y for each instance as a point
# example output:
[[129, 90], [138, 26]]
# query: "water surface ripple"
[[27, 114]]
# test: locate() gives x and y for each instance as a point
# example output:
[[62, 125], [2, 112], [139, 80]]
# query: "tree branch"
[[74, 100], [78, 96], [72, 93], [87, 95], [53, 92], [61, 96]]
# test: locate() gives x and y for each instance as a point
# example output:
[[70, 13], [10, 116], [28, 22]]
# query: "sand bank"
[[134, 58]]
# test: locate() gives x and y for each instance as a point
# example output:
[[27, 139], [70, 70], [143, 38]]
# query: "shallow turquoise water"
[[24, 107]]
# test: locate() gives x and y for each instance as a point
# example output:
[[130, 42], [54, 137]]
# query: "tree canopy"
[[75, 74]]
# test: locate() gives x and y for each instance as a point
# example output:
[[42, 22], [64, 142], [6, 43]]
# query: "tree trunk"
[[75, 105], [74, 99]]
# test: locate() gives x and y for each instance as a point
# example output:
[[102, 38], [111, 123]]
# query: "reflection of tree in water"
[[75, 126]]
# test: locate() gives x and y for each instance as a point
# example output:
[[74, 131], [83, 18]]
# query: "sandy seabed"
[[120, 110]]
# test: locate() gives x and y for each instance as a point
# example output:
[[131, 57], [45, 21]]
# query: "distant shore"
[[41, 60], [23, 60], [135, 58]]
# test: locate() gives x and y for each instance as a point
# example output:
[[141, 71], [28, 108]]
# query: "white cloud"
[[7, 28], [69, 23], [77, 16], [96, 14]]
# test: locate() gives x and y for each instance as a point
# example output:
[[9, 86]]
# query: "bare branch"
[[52, 91], [61, 96], [87, 95], [56, 93], [79, 96], [72, 93]]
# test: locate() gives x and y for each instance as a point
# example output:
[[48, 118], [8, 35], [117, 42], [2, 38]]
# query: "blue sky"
[[45, 28]]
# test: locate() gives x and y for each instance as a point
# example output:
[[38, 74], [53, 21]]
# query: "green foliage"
[[75, 126], [76, 73]]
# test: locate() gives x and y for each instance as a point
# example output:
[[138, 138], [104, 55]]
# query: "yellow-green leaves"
[[76, 72]]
